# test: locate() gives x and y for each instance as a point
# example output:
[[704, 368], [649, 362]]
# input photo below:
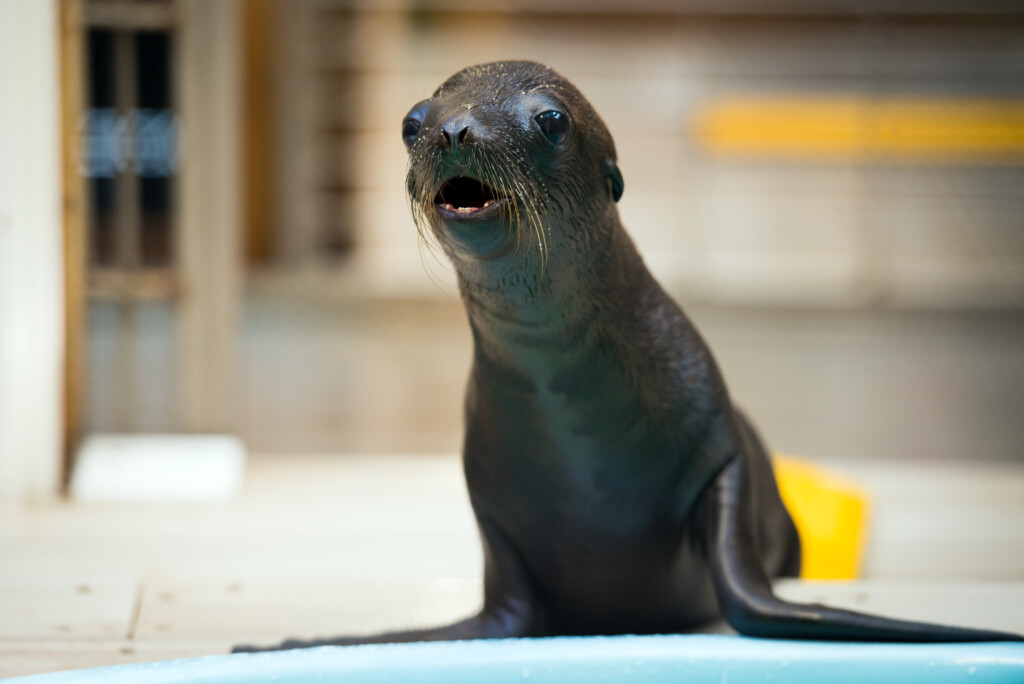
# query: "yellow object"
[[831, 515], [853, 127]]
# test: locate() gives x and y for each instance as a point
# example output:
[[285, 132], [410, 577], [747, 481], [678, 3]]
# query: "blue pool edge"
[[568, 660]]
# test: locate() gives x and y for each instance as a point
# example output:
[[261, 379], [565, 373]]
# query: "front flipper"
[[510, 609], [744, 589], [480, 626]]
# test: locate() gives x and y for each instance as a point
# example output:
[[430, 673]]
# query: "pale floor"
[[922, 408], [320, 545]]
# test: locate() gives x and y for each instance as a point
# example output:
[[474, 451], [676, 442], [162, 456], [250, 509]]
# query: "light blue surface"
[[636, 660]]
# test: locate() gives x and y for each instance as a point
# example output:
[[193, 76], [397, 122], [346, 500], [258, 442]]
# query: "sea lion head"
[[508, 159]]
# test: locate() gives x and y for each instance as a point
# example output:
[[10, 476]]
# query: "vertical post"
[[259, 169], [31, 264], [127, 236], [297, 217], [209, 219], [72, 79], [129, 214]]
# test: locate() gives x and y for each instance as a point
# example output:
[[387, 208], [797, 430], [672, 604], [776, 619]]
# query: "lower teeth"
[[465, 210]]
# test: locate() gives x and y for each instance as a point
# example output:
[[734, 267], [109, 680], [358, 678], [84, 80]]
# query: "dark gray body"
[[616, 488], [588, 449]]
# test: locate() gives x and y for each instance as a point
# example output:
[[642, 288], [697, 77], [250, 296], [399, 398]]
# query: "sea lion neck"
[[517, 313]]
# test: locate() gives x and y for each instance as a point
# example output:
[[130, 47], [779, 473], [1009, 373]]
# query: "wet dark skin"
[[616, 488]]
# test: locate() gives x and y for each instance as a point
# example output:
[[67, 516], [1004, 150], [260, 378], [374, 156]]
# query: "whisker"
[[505, 170]]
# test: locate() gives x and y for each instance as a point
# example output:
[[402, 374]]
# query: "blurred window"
[[130, 149], [131, 136]]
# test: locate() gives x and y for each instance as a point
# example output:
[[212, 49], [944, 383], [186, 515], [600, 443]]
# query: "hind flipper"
[[744, 590]]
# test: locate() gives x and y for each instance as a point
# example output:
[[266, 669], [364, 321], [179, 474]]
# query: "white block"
[[158, 468]]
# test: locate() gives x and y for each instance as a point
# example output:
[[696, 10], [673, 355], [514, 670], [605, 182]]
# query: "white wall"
[[31, 291]]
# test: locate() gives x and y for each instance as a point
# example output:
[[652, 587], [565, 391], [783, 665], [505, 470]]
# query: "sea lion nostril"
[[456, 131]]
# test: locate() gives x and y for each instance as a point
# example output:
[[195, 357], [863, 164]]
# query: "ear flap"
[[611, 170]]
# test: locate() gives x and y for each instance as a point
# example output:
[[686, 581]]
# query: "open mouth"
[[462, 196]]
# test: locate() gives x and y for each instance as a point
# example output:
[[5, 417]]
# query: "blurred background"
[[834, 191]]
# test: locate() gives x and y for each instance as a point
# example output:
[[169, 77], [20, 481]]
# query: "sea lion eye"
[[554, 125], [413, 122], [410, 129]]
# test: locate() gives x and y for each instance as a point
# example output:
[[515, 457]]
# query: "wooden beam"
[[138, 285], [72, 79], [259, 51], [130, 15]]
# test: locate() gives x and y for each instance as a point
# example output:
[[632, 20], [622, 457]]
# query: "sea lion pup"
[[616, 487]]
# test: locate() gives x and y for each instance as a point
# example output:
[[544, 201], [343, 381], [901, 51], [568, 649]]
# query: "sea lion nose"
[[457, 132]]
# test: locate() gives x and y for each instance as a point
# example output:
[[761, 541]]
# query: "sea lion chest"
[[574, 454], [583, 486]]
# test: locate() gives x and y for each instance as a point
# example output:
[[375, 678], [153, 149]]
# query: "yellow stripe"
[[855, 128]]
